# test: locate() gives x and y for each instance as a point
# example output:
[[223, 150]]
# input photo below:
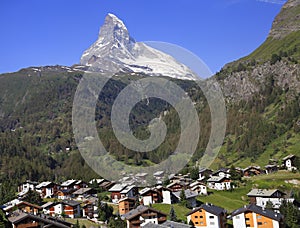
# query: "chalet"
[[89, 210], [159, 175], [190, 197], [10, 205], [80, 184], [47, 189], [30, 220], [178, 186], [69, 184], [142, 215], [252, 171], [207, 215], [167, 194], [289, 162], [129, 191], [150, 196], [65, 194], [27, 207], [24, 187], [219, 183], [261, 197], [255, 216], [126, 204], [271, 168], [198, 187], [105, 185], [204, 173], [115, 192], [68, 207], [82, 193], [223, 172]]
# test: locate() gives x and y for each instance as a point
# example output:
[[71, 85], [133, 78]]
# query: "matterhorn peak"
[[116, 51]]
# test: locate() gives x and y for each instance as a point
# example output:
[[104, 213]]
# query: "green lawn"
[[180, 211], [85, 222]]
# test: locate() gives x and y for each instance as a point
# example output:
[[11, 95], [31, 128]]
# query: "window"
[[196, 222], [211, 216], [259, 216], [196, 216], [201, 216], [238, 217], [259, 223], [212, 223], [201, 223]]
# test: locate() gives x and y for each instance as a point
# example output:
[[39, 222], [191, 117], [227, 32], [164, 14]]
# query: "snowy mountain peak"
[[115, 50]]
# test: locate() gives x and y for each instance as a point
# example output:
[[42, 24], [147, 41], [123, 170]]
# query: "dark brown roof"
[[139, 210]]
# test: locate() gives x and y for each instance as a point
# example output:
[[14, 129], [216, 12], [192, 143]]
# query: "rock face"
[[115, 50], [287, 21]]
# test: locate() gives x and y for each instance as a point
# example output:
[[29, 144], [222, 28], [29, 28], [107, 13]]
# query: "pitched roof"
[[139, 210], [263, 192], [68, 183], [45, 219], [216, 179], [82, 191], [167, 224], [117, 188], [188, 194], [288, 157], [127, 189], [70, 202], [258, 210], [127, 199], [209, 208], [44, 184], [48, 204]]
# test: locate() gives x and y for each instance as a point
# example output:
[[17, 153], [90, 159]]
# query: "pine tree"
[[173, 216]]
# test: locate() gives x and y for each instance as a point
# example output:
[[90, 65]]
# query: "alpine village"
[[253, 182]]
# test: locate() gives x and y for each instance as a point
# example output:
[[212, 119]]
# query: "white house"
[[198, 187], [288, 162], [25, 186], [261, 197], [255, 216], [219, 183]]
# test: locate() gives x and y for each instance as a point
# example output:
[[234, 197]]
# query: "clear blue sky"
[[50, 32]]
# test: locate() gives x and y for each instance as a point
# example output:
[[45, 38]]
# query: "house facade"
[[219, 183], [207, 216], [256, 217], [125, 205], [261, 197]]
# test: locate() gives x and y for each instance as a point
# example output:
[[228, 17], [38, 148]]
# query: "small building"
[[22, 206], [190, 197], [82, 193], [271, 168], [252, 171], [142, 215], [167, 194], [288, 162], [261, 197], [178, 185], [89, 210], [198, 187], [115, 192], [80, 184], [69, 208], [222, 172], [219, 183], [150, 196], [126, 204], [68, 184], [204, 173], [19, 220], [129, 191], [47, 189], [65, 194], [24, 187], [255, 216], [208, 215]]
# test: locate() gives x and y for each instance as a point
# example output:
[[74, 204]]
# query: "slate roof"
[[216, 179], [288, 157], [82, 191], [43, 218], [188, 194], [209, 208], [263, 192], [258, 210], [117, 188], [68, 183], [127, 189], [43, 184], [139, 210], [167, 224], [70, 202]]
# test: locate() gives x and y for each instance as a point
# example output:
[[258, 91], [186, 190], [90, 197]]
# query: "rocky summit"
[[116, 51]]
